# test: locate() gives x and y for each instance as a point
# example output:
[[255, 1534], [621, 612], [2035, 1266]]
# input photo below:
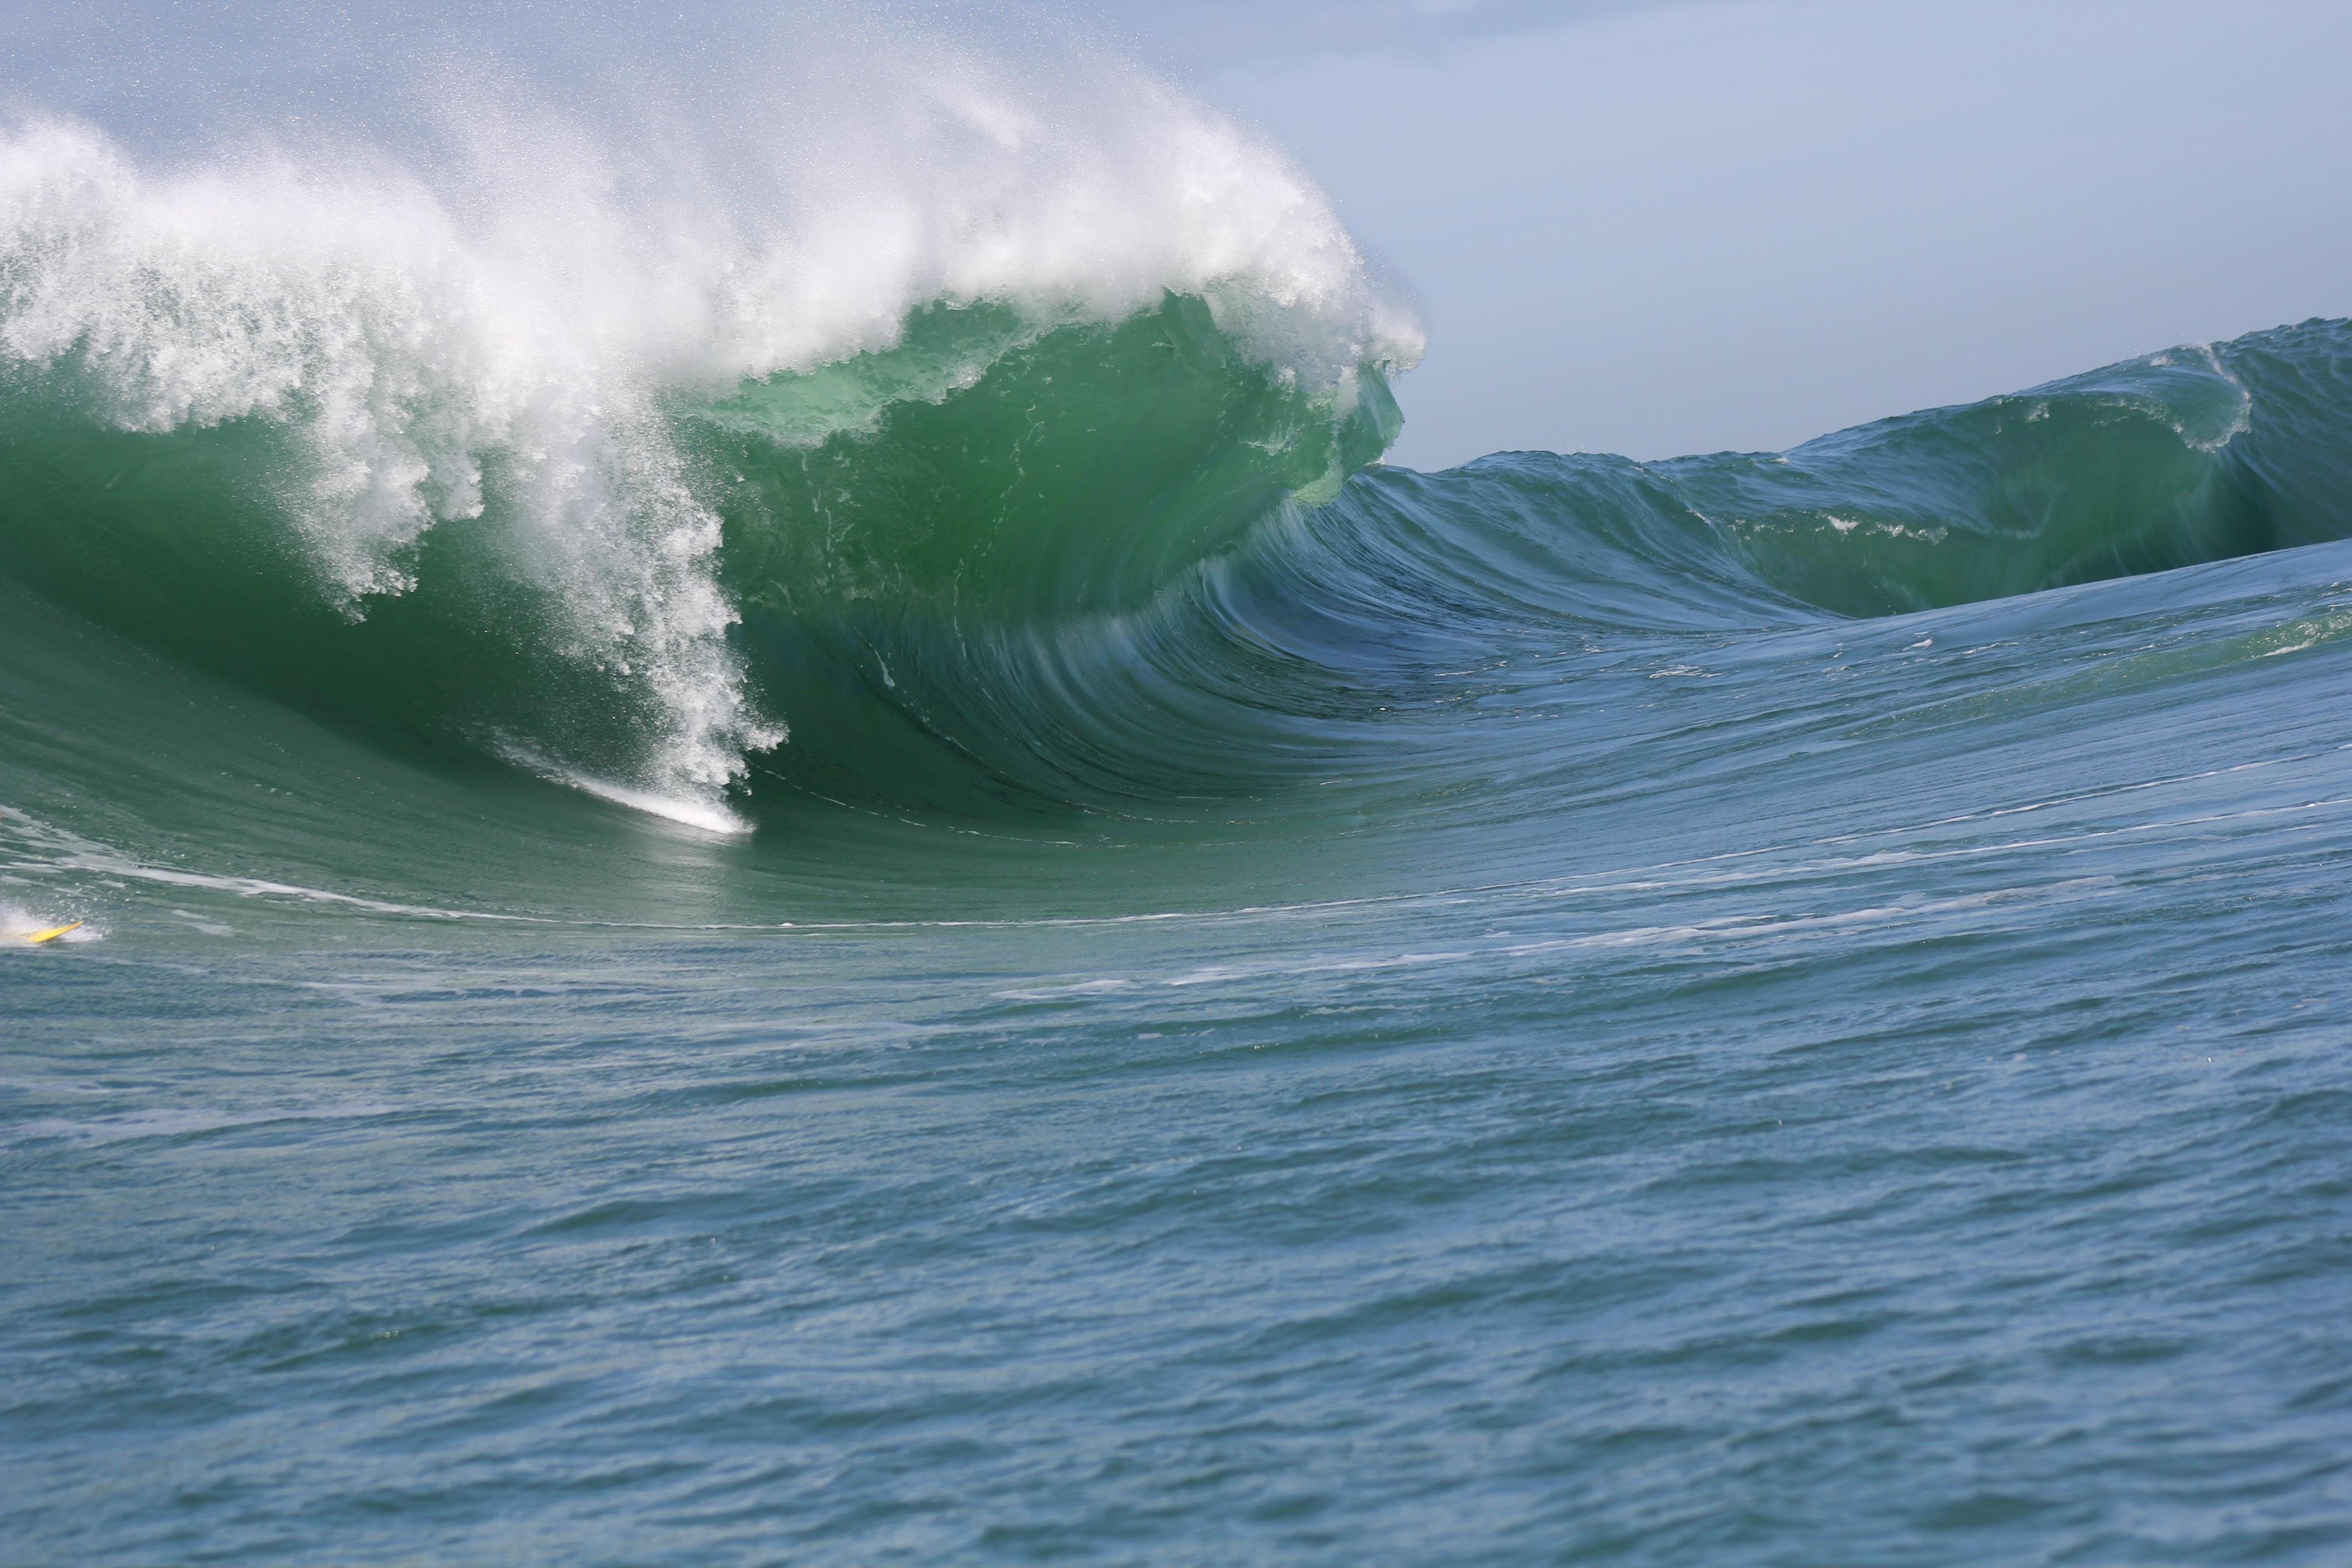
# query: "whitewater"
[[791, 853]]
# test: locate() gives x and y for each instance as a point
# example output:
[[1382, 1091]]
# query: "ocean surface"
[[808, 864]]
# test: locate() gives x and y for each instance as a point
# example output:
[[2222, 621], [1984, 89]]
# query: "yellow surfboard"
[[54, 932]]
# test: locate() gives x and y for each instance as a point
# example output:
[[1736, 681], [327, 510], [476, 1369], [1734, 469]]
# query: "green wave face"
[[902, 575], [988, 473], [991, 468]]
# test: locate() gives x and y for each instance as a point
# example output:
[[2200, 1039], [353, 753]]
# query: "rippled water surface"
[[1880, 1096], [770, 915]]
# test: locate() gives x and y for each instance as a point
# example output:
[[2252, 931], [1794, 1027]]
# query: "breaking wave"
[[492, 443], [934, 431]]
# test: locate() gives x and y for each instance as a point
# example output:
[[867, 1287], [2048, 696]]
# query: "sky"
[[1655, 226]]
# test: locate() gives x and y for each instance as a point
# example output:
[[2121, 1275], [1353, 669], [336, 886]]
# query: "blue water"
[[996, 948]]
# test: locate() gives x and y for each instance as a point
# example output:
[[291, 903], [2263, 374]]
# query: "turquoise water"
[[993, 947]]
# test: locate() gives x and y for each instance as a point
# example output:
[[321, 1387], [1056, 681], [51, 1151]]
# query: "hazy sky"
[[1656, 227]]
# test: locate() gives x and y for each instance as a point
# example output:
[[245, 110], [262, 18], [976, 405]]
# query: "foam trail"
[[688, 811]]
